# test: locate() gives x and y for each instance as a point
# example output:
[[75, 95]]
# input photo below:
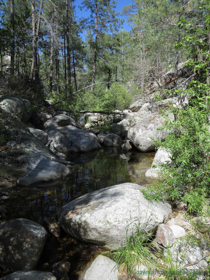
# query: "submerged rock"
[[109, 216], [21, 244], [30, 275]]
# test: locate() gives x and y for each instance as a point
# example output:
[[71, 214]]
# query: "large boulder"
[[60, 120], [68, 138], [144, 131], [30, 275], [16, 105], [46, 170], [161, 157], [109, 216], [102, 268], [21, 244]]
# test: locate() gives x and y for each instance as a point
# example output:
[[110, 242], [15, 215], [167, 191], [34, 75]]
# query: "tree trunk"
[[35, 28], [51, 50], [75, 77], [68, 50], [64, 54], [95, 50], [12, 52]]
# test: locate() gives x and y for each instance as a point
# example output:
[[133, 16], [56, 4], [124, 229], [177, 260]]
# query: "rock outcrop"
[[144, 130]]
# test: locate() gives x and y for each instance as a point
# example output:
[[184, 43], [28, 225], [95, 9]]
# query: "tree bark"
[[12, 52], [51, 50], [68, 49], [35, 28], [95, 50], [75, 76], [64, 54]]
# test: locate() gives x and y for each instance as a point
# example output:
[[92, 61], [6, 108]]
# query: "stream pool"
[[41, 202]]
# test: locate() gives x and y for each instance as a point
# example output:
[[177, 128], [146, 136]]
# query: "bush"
[[187, 177], [116, 98]]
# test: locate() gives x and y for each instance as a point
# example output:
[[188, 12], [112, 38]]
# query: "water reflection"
[[100, 169]]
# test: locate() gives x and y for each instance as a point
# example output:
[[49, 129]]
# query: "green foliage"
[[117, 98], [137, 250], [187, 177]]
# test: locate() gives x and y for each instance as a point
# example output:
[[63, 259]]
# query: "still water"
[[91, 171]]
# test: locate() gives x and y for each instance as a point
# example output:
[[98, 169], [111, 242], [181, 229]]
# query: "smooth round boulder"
[[21, 244], [30, 275], [110, 215]]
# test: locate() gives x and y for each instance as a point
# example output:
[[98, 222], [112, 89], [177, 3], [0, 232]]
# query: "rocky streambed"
[[41, 203]]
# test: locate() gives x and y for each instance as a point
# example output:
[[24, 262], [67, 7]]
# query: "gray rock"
[[177, 231], [21, 244], [68, 139], [101, 268], [165, 236], [112, 140], [16, 105], [127, 146], [59, 121], [39, 134], [144, 131], [161, 157], [31, 153], [46, 170], [188, 256], [108, 216], [101, 137], [136, 106], [30, 275]]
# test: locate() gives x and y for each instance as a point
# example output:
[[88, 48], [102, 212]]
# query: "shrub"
[[187, 177]]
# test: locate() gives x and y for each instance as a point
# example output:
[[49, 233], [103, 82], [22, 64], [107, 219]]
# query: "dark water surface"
[[92, 171]]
